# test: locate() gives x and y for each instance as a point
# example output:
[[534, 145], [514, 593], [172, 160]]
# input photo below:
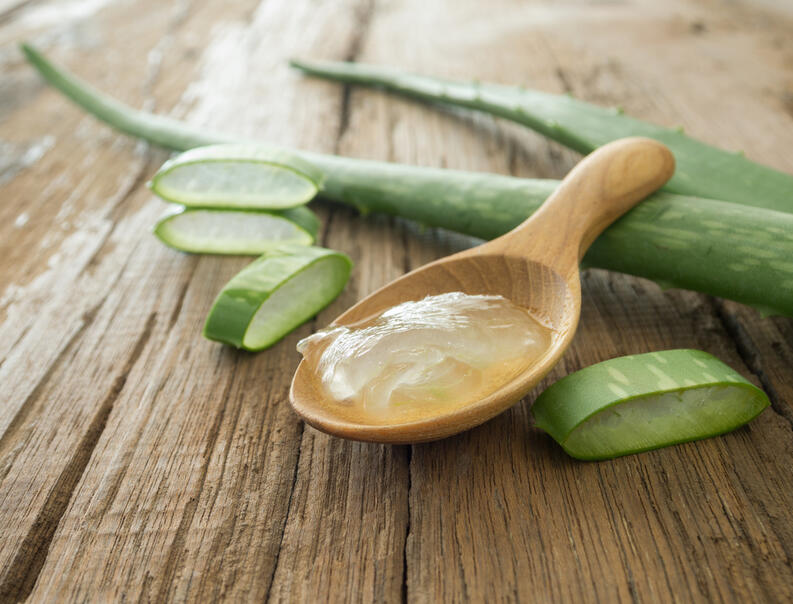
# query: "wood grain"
[[140, 462]]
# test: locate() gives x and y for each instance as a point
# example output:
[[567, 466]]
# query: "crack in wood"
[[405, 568], [288, 513], [623, 552], [177, 549], [751, 357], [177, 309], [115, 210], [132, 184], [223, 538], [20, 576], [322, 239], [325, 233], [17, 341], [139, 176], [180, 13], [28, 405], [561, 75], [363, 19]]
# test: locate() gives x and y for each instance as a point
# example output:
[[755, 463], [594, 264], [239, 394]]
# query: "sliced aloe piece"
[[275, 294], [642, 402], [237, 176], [244, 232]]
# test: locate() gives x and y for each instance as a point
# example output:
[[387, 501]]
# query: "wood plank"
[[73, 360], [139, 461], [47, 321]]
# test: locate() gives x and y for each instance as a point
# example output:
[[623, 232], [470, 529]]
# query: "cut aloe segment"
[[237, 176], [244, 232], [275, 294], [642, 402]]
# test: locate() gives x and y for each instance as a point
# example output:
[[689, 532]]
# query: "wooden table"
[[140, 461]]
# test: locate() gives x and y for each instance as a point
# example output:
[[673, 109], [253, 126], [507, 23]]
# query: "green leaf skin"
[[302, 217], [237, 176], [275, 294], [224, 237], [642, 402], [718, 248], [702, 170]]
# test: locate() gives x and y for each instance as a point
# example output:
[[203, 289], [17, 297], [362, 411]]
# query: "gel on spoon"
[[420, 358], [534, 266]]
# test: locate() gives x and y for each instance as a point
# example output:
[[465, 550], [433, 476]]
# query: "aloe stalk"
[[702, 170], [719, 248]]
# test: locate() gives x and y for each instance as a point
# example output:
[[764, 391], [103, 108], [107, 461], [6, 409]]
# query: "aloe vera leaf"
[[242, 232], [237, 176], [713, 250], [641, 402], [275, 294], [719, 248], [702, 170]]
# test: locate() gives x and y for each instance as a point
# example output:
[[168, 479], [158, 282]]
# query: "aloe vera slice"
[[243, 232], [275, 294], [237, 176], [702, 170], [648, 401]]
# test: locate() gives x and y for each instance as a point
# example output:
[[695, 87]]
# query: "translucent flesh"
[[235, 184], [231, 232], [653, 421], [296, 301], [425, 357]]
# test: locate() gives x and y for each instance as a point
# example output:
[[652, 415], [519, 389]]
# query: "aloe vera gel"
[[425, 357]]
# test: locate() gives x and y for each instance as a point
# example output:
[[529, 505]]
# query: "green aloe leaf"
[[715, 247], [702, 170]]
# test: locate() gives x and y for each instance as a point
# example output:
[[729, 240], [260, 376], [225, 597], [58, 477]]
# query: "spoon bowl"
[[535, 266]]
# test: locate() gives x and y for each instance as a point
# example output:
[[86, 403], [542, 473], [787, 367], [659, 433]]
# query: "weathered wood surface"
[[138, 461]]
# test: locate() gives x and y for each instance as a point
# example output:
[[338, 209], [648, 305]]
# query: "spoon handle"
[[602, 187]]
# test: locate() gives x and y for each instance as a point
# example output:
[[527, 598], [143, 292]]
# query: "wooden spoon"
[[535, 265]]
